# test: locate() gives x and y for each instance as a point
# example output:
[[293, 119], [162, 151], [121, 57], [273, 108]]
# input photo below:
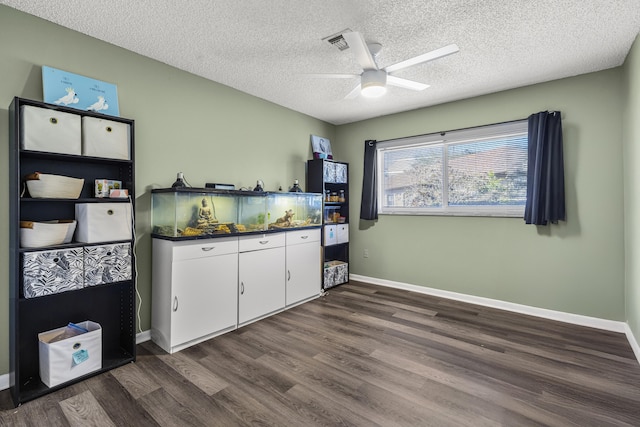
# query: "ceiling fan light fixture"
[[373, 83]]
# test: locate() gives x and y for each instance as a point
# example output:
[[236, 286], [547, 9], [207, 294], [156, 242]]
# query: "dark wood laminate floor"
[[365, 355]]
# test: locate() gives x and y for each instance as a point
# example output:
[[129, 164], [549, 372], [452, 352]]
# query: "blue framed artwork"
[[80, 92]]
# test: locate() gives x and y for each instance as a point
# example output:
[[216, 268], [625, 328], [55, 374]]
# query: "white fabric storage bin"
[[343, 233], [330, 235], [107, 264], [51, 272], [48, 130], [70, 358], [105, 138], [103, 222]]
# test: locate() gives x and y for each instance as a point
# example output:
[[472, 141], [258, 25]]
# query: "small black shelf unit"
[[328, 176], [111, 305]]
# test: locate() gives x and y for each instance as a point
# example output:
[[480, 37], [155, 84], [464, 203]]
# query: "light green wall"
[[574, 267], [632, 188], [210, 132]]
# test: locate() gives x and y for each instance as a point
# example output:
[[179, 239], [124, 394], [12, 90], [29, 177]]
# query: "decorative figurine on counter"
[[259, 186]]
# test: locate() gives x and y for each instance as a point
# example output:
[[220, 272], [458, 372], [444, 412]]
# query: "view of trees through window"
[[483, 173]]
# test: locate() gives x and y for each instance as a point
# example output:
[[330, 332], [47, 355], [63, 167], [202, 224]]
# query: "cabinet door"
[[261, 283], [204, 296], [303, 271]]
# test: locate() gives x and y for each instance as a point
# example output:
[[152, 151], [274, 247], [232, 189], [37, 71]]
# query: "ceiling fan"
[[374, 80]]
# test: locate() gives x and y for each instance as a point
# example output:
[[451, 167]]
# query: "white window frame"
[[445, 139]]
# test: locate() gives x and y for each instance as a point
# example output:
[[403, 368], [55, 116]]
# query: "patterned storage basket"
[[107, 264], [51, 272]]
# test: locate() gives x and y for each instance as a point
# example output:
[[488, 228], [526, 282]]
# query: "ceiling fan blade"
[[425, 57], [404, 83], [360, 50], [354, 93], [333, 76]]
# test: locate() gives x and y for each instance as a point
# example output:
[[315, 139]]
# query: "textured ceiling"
[[268, 48]]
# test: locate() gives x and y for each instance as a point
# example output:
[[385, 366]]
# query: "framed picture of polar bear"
[[79, 92]]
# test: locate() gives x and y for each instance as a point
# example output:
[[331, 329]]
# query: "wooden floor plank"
[[168, 412], [134, 380], [117, 402], [194, 372], [187, 394], [83, 410]]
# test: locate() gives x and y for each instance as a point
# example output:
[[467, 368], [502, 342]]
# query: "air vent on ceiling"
[[337, 40]]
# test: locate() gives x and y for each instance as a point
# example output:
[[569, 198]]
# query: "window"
[[478, 171]]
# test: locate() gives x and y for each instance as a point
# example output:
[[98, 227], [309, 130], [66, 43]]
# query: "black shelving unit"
[[112, 305], [332, 178]]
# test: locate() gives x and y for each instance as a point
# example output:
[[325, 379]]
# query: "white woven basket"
[[46, 233], [43, 185]]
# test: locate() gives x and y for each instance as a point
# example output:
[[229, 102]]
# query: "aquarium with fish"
[[188, 213]]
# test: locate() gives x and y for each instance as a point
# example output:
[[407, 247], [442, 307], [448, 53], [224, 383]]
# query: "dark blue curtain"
[[545, 175], [369, 203]]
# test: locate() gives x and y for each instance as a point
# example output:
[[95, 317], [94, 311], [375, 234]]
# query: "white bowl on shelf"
[[42, 185], [34, 234]]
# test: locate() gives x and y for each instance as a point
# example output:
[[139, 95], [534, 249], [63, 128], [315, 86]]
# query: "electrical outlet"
[[366, 253]]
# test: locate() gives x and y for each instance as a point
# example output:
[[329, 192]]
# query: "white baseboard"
[[576, 319], [632, 341], [143, 336], [4, 382]]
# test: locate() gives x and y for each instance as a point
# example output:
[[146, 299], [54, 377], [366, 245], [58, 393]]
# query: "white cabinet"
[[261, 271], [303, 265], [205, 287], [194, 290]]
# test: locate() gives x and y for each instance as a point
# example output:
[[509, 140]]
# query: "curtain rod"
[[456, 130]]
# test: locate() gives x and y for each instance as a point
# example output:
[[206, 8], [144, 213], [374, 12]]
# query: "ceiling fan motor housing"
[[373, 82]]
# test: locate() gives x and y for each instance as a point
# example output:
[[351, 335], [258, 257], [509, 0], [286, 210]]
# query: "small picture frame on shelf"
[[321, 147]]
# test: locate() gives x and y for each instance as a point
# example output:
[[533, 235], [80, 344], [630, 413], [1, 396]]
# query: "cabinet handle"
[[304, 237], [175, 303], [241, 288], [209, 248], [288, 275], [264, 242]]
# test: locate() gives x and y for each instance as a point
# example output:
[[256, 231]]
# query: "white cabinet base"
[[205, 288], [194, 291]]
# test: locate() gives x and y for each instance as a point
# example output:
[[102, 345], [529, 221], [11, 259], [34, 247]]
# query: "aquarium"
[[193, 213], [187, 212], [293, 210]]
